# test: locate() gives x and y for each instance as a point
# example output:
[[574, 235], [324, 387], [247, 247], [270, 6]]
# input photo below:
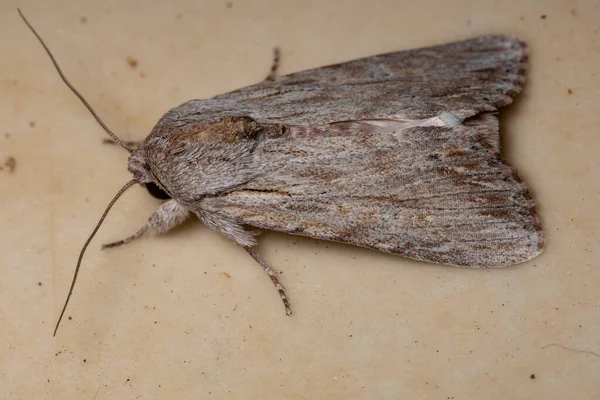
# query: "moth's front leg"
[[130, 143], [168, 215]]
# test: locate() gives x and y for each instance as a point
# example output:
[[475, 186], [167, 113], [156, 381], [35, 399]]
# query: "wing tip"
[[503, 65], [514, 67]]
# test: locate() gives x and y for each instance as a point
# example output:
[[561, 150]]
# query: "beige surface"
[[160, 319]]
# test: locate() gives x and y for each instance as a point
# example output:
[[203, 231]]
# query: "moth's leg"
[[275, 66], [130, 143], [127, 239], [274, 279], [227, 227], [167, 216], [244, 238]]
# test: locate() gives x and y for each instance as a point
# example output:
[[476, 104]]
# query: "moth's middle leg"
[[168, 215], [274, 279]]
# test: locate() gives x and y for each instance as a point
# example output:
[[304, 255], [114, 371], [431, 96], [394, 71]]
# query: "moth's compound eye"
[[156, 192]]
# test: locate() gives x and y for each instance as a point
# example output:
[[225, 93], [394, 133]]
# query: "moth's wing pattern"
[[439, 194], [463, 78], [398, 152]]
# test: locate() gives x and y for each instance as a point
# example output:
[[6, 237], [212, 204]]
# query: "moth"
[[398, 152]]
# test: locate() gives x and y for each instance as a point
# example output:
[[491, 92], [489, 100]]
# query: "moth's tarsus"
[[273, 275], [275, 65], [85, 246], [121, 242], [75, 91]]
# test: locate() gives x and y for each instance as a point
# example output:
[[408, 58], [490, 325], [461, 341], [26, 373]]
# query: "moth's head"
[[142, 174]]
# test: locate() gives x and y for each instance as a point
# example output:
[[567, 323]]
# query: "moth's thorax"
[[191, 157]]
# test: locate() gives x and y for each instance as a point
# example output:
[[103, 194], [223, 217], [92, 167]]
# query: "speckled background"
[[188, 315]]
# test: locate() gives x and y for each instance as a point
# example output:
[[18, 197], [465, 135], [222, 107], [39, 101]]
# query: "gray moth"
[[398, 152]]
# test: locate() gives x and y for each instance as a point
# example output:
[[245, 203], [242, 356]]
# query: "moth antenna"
[[87, 242], [66, 81]]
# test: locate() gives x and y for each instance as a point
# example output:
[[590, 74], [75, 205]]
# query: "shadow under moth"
[[398, 152]]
